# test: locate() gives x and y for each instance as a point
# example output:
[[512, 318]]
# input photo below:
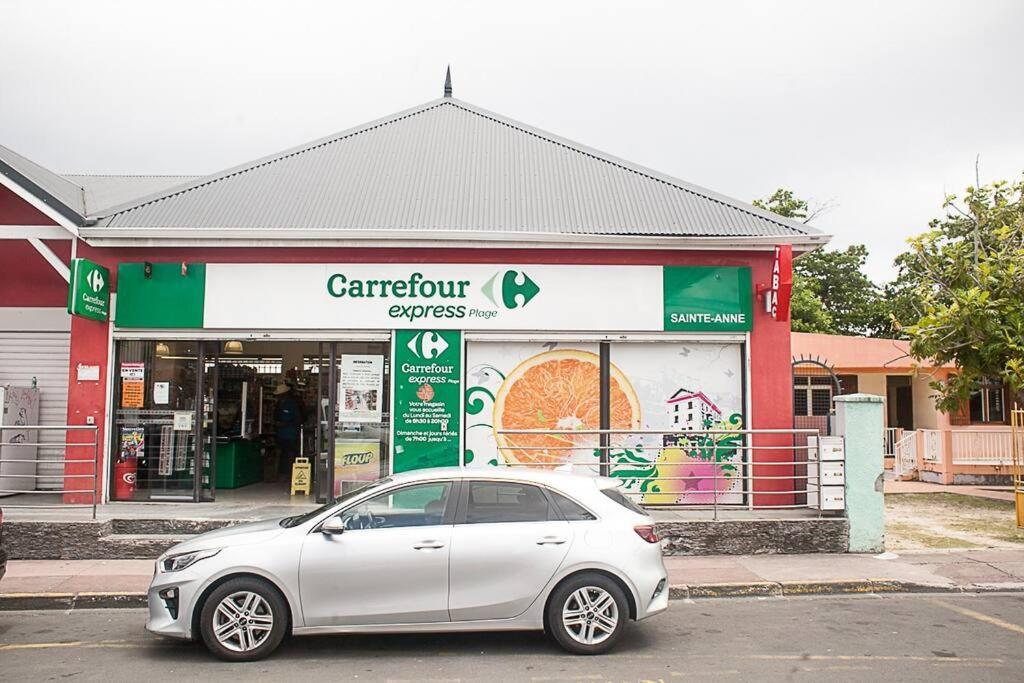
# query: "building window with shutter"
[[987, 404]]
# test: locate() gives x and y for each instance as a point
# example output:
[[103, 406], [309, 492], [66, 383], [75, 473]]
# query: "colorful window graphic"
[[682, 390]]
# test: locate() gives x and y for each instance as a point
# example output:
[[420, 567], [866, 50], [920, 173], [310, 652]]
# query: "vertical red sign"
[[782, 282]]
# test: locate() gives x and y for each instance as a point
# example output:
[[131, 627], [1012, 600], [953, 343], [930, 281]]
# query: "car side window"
[[417, 505], [570, 509], [490, 502]]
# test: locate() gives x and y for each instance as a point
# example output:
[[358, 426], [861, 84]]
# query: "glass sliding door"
[[360, 414], [156, 423]]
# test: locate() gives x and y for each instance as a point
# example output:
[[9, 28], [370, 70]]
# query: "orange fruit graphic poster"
[[557, 392]]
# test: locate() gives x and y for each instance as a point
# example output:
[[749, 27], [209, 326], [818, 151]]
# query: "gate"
[[814, 387]]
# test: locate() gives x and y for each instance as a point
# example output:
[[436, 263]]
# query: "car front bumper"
[[171, 597]]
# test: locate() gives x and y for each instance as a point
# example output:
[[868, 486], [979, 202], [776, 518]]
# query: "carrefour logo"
[[427, 345], [95, 280], [515, 289]]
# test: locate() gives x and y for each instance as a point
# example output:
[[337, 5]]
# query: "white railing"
[[891, 435], [932, 445], [905, 454], [982, 447]]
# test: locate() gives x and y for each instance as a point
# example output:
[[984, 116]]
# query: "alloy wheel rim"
[[590, 615], [243, 621]]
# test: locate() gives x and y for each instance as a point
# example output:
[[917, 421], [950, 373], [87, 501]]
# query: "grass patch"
[[912, 534], [956, 501]]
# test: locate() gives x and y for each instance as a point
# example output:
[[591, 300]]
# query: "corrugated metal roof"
[[59, 193], [448, 165], [103, 192]]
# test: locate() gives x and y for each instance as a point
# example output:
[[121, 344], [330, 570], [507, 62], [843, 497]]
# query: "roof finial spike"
[[448, 82]]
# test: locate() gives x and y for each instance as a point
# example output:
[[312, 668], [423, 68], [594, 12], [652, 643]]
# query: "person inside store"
[[288, 417]]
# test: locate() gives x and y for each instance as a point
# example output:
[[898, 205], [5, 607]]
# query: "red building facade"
[[601, 287]]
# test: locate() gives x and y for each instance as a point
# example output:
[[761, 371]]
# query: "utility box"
[[826, 473]]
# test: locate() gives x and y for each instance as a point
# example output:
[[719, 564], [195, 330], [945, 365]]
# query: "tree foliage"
[[961, 290], [831, 294]]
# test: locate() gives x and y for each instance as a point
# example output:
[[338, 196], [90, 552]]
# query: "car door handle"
[[428, 545], [550, 540]]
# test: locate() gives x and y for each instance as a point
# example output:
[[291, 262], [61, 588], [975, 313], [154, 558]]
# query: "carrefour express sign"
[[472, 297]]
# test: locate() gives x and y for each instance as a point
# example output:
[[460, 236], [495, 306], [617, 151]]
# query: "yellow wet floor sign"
[[300, 476]]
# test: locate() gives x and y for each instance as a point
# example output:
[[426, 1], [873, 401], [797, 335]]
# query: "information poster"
[[426, 411], [133, 385], [360, 388], [355, 461], [161, 393]]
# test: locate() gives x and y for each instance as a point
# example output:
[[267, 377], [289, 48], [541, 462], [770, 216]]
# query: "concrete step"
[[116, 539], [148, 526], [137, 546], [133, 538], [755, 536]]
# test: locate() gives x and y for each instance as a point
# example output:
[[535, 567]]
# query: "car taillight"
[[647, 532]]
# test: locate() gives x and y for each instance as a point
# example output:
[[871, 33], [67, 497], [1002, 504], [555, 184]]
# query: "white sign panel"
[[133, 372], [360, 388], [88, 373], [161, 393], [435, 296]]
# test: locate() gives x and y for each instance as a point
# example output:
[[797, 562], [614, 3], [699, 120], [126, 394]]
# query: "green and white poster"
[[426, 409]]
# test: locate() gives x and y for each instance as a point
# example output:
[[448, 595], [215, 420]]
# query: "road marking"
[[110, 644], [979, 616], [872, 658]]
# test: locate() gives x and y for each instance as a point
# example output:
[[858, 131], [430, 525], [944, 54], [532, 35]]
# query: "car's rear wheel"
[[243, 620], [587, 614]]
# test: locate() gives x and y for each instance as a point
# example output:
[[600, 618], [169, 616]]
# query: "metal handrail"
[[805, 475], [95, 460]]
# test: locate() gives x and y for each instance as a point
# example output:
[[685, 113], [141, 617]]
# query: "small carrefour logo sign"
[[89, 290], [427, 345]]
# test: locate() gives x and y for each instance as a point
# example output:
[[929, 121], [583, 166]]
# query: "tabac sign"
[[461, 296], [89, 290]]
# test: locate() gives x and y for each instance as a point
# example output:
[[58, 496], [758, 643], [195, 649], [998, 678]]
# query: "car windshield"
[[295, 520]]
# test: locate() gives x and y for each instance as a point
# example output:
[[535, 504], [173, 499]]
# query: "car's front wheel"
[[243, 620], [587, 614]]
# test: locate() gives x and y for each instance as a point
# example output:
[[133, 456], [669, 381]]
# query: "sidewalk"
[[60, 584]]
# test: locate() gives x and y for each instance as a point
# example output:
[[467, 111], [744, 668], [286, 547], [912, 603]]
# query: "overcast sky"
[[876, 108]]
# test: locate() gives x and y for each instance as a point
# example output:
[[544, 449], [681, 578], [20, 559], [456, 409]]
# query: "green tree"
[[806, 312], [964, 286], [831, 294]]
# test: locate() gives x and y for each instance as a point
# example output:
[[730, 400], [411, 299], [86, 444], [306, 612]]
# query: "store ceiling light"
[[233, 347], [162, 349]]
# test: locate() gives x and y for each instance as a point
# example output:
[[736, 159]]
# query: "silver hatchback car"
[[431, 550]]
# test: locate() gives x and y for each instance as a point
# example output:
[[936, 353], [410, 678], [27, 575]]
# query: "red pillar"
[[771, 398]]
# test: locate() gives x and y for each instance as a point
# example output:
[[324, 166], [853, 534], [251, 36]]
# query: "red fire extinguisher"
[[124, 478]]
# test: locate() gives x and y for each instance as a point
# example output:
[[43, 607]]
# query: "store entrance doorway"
[[278, 402]]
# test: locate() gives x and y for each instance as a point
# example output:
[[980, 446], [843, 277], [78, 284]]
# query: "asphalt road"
[[863, 638]]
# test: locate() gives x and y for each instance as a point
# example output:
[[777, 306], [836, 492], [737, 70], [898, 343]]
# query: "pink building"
[[971, 445]]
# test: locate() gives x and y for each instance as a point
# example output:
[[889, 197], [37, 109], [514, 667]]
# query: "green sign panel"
[[708, 299], [160, 295], [426, 410], [89, 290]]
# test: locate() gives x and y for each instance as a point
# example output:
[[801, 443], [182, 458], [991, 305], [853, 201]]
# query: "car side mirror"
[[333, 526]]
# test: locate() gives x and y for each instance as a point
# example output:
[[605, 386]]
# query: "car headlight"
[[175, 563]]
